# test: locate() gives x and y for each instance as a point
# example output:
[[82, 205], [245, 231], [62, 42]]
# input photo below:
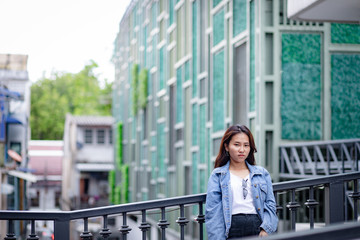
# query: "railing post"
[[355, 195], [144, 226], [334, 202], [293, 206], [311, 203], [201, 220], [62, 229], [32, 235], [163, 224], [10, 235], [124, 228], [182, 221]]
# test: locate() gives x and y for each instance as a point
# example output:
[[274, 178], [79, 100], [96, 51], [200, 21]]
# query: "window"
[[100, 136], [88, 136], [110, 136]]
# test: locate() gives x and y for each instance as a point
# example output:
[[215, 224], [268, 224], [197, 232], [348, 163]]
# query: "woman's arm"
[[214, 217], [270, 219]]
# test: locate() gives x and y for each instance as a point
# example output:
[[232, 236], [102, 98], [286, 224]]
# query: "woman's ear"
[[226, 147]]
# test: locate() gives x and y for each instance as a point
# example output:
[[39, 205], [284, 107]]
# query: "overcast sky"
[[61, 35]]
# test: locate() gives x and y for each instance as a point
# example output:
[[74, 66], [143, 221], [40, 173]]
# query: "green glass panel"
[[153, 165], [345, 33], [161, 69], [187, 70], [194, 48], [239, 16], [202, 131], [145, 46], [171, 12], [161, 149], [218, 26], [195, 182], [194, 124], [216, 2], [179, 97], [153, 15], [301, 87], [218, 91], [252, 57], [345, 96], [203, 181]]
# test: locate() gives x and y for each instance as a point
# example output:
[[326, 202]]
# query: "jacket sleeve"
[[270, 219], [214, 217]]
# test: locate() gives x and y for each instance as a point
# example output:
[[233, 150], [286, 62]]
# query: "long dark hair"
[[222, 158]]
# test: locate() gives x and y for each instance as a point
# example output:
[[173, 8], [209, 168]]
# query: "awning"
[[94, 167], [26, 176], [12, 120], [7, 93]]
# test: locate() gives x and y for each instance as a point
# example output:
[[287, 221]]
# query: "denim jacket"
[[218, 206]]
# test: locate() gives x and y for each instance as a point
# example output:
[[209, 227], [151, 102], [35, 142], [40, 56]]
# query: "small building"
[[45, 162], [88, 158], [14, 134]]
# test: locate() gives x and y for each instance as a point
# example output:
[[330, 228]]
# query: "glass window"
[[100, 136], [110, 136], [88, 136]]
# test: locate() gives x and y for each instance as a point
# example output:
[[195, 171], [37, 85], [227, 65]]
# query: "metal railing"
[[336, 190], [315, 158]]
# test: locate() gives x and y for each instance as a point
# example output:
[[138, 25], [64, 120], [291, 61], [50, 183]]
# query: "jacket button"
[[255, 185], [257, 196], [258, 209]]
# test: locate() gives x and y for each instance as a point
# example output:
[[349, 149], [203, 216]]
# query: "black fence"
[[339, 195]]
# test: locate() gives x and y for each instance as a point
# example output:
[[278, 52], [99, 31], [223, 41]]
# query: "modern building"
[[186, 70], [87, 160], [14, 134]]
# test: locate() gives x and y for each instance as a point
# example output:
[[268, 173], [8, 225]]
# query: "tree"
[[78, 94]]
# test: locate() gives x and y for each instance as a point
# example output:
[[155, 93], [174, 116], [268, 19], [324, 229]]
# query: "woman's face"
[[238, 148]]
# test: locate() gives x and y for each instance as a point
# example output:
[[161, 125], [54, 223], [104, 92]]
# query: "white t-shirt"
[[239, 204]]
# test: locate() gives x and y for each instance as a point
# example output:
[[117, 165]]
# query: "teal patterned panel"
[[210, 166], [252, 57], [345, 33], [239, 16], [194, 125], [195, 180], [345, 96], [216, 2], [218, 27], [194, 48], [179, 96], [218, 91], [161, 69], [301, 86], [202, 132]]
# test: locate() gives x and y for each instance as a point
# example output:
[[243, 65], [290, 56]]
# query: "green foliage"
[[119, 145], [143, 86], [134, 87], [125, 183], [111, 179], [78, 94]]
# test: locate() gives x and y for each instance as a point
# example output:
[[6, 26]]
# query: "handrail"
[[334, 194]]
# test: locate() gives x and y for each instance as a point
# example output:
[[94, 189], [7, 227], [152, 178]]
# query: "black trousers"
[[243, 225]]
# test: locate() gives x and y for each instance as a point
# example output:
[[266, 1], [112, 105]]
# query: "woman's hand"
[[263, 233]]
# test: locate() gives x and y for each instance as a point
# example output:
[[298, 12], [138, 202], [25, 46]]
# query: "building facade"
[[188, 69], [87, 160], [14, 135]]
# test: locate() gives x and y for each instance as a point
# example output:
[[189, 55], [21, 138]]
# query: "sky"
[[61, 35]]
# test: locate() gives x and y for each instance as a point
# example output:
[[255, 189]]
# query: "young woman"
[[240, 200]]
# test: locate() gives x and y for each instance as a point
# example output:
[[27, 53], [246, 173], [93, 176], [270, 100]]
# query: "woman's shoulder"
[[261, 169]]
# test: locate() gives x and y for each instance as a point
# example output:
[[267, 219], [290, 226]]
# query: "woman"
[[240, 200]]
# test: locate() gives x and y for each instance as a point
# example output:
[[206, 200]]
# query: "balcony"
[[297, 204]]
